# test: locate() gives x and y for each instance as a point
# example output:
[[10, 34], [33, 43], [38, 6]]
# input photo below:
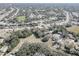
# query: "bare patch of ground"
[[74, 29]]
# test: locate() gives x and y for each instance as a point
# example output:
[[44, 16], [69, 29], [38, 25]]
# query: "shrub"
[[22, 33], [13, 39], [38, 34], [19, 34], [31, 49], [1, 45], [13, 42], [45, 39]]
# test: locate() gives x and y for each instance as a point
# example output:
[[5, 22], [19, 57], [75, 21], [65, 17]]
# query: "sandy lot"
[[74, 29]]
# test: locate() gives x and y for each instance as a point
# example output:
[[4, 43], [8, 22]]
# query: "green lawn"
[[21, 18]]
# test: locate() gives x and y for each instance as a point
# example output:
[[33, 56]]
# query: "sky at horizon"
[[39, 1]]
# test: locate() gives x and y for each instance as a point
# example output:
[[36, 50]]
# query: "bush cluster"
[[13, 39], [31, 49]]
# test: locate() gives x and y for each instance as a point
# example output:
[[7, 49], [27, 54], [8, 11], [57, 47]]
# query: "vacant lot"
[[74, 29]]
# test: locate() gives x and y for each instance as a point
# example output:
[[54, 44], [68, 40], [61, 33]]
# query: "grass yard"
[[21, 18]]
